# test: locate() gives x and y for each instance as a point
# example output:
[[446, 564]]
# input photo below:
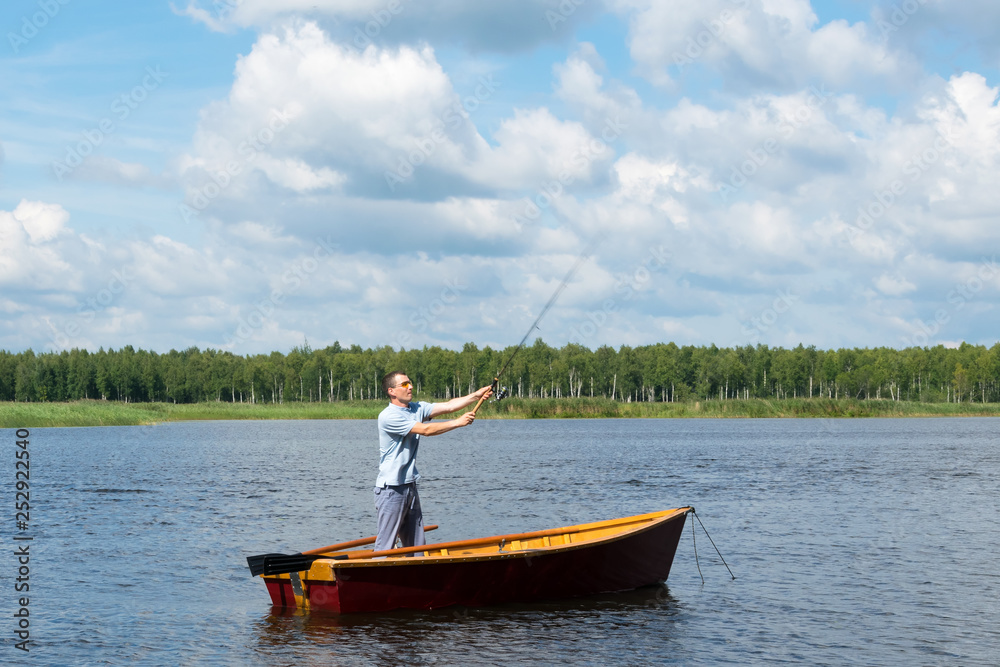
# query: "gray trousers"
[[399, 515]]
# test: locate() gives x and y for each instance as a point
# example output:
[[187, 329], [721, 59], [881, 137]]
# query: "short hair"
[[389, 381]]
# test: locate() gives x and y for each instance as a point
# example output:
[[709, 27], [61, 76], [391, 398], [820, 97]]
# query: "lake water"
[[853, 541]]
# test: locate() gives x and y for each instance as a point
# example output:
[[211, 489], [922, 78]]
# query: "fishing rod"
[[501, 393]]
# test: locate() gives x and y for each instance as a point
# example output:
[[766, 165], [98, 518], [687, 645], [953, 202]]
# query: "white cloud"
[[303, 111], [486, 219], [67, 290], [600, 103], [368, 123], [578, 80], [967, 115], [214, 20], [772, 43], [893, 285], [31, 257], [655, 184], [42, 222], [534, 145], [110, 170], [298, 176]]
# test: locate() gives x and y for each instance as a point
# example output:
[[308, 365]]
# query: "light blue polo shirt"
[[397, 446]]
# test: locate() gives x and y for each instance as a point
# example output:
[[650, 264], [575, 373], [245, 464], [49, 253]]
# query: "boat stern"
[[312, 589]]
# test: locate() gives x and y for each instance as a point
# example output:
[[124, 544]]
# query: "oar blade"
[[286, 564], [268, 564], [271, 564]]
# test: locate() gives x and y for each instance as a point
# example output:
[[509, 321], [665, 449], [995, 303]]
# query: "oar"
[[269, 564]]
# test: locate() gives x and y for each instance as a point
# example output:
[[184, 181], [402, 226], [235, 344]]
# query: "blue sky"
[[406, 173]]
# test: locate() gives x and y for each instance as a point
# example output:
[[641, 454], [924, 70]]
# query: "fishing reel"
[[499, 393]]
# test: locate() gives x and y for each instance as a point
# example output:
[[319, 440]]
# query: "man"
[[400, 428]]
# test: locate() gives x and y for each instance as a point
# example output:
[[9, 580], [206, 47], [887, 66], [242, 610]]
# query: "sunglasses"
[[405, 384]]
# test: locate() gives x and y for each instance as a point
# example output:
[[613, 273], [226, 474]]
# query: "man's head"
[[398, 387]]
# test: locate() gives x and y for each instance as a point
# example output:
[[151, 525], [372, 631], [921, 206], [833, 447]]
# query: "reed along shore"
[[113, 413]]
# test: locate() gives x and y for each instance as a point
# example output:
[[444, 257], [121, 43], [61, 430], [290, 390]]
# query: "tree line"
[[660, 372]]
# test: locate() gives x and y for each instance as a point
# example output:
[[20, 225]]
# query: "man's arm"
[[457, 404], [428, 428]]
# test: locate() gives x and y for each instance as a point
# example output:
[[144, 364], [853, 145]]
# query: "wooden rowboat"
[[602, 557]]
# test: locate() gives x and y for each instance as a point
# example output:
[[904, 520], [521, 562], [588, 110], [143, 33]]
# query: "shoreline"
[[112, 413]]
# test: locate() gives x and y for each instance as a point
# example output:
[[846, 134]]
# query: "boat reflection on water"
[[483, 633]]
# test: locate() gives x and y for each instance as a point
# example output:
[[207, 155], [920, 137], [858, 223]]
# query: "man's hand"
[[466, 419], [485, 392]]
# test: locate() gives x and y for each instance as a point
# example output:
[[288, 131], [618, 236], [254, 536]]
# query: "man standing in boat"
[[400, 427]]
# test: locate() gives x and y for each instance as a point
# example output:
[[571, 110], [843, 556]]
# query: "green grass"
[[77, 413], [750, 408], [110, 413]]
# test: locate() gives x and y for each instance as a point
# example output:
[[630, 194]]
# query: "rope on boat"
[[713, 544], [695, 543]]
